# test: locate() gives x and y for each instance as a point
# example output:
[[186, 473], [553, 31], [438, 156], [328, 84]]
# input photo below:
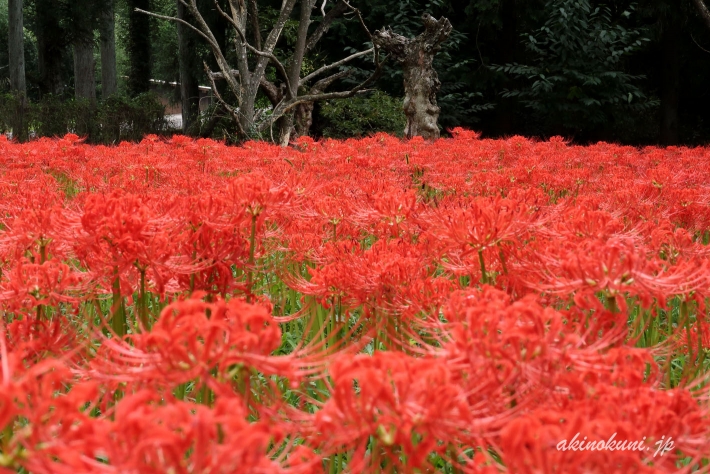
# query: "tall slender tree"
[[107, 41], [16, 46], [16, 50], [51, 45], [139, 47]]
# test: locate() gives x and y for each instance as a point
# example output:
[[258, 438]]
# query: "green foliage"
[[362, 115], [577, 76], [109, 122]]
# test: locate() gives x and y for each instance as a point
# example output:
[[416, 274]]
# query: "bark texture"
[[84, 79], [107, 33], [16, 46], [421, 82], [16, 50]]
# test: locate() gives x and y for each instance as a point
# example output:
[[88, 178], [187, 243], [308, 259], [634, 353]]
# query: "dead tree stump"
[[421, 82]]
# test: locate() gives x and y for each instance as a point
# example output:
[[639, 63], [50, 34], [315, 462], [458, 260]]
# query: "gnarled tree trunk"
[[421, 82]]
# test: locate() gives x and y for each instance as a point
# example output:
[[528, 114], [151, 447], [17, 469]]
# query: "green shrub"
[[361, 115], [125, 119], [108, 122]]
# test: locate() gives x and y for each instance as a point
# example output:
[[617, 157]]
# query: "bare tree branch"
[[204, 32], [704, 12], [280, 67], [222, 102], [286, 105], [320, 71], [337, 10], [178, 20], [273, 93], [324, 83], [246, 81]]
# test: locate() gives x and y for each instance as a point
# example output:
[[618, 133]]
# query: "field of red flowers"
[[359, 306]]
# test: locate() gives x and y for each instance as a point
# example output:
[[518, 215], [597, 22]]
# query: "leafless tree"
[[255, 54]]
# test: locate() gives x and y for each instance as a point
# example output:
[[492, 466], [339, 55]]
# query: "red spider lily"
[[369, 243], [43, 338], [393, 402], [642, 414], [191, 338], [50, 284], [121, 237], [614, 267], [373, 276]]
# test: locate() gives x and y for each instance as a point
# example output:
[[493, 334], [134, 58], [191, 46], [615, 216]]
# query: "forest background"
[[616, 70]]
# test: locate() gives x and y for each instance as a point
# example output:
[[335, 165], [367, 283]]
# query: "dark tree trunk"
[[50, 47], [189, 87], [16, 46], [84, 79], [138, 47], [509, 40], [108, 51], [421, 82], [16, 50], [670, 81]]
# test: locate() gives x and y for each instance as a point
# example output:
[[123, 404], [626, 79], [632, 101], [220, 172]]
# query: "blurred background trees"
[[635, 72]]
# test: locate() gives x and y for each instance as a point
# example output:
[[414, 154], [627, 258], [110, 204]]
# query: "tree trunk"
[[16, 50], [189, 87], [138, 48], [108, 52], [16, 46], [670, 79], [421, 82], [50, 47], [303, 119], [84, 78]]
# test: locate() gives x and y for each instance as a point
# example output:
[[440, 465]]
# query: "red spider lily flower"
[[408, 405], [193, 337], [374, 276], [51, 283], [482, 223], [44, 338], [644, 416], [614, 267], [120, 237]]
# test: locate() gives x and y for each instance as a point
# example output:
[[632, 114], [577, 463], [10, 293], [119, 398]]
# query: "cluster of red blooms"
[[359, 306]]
